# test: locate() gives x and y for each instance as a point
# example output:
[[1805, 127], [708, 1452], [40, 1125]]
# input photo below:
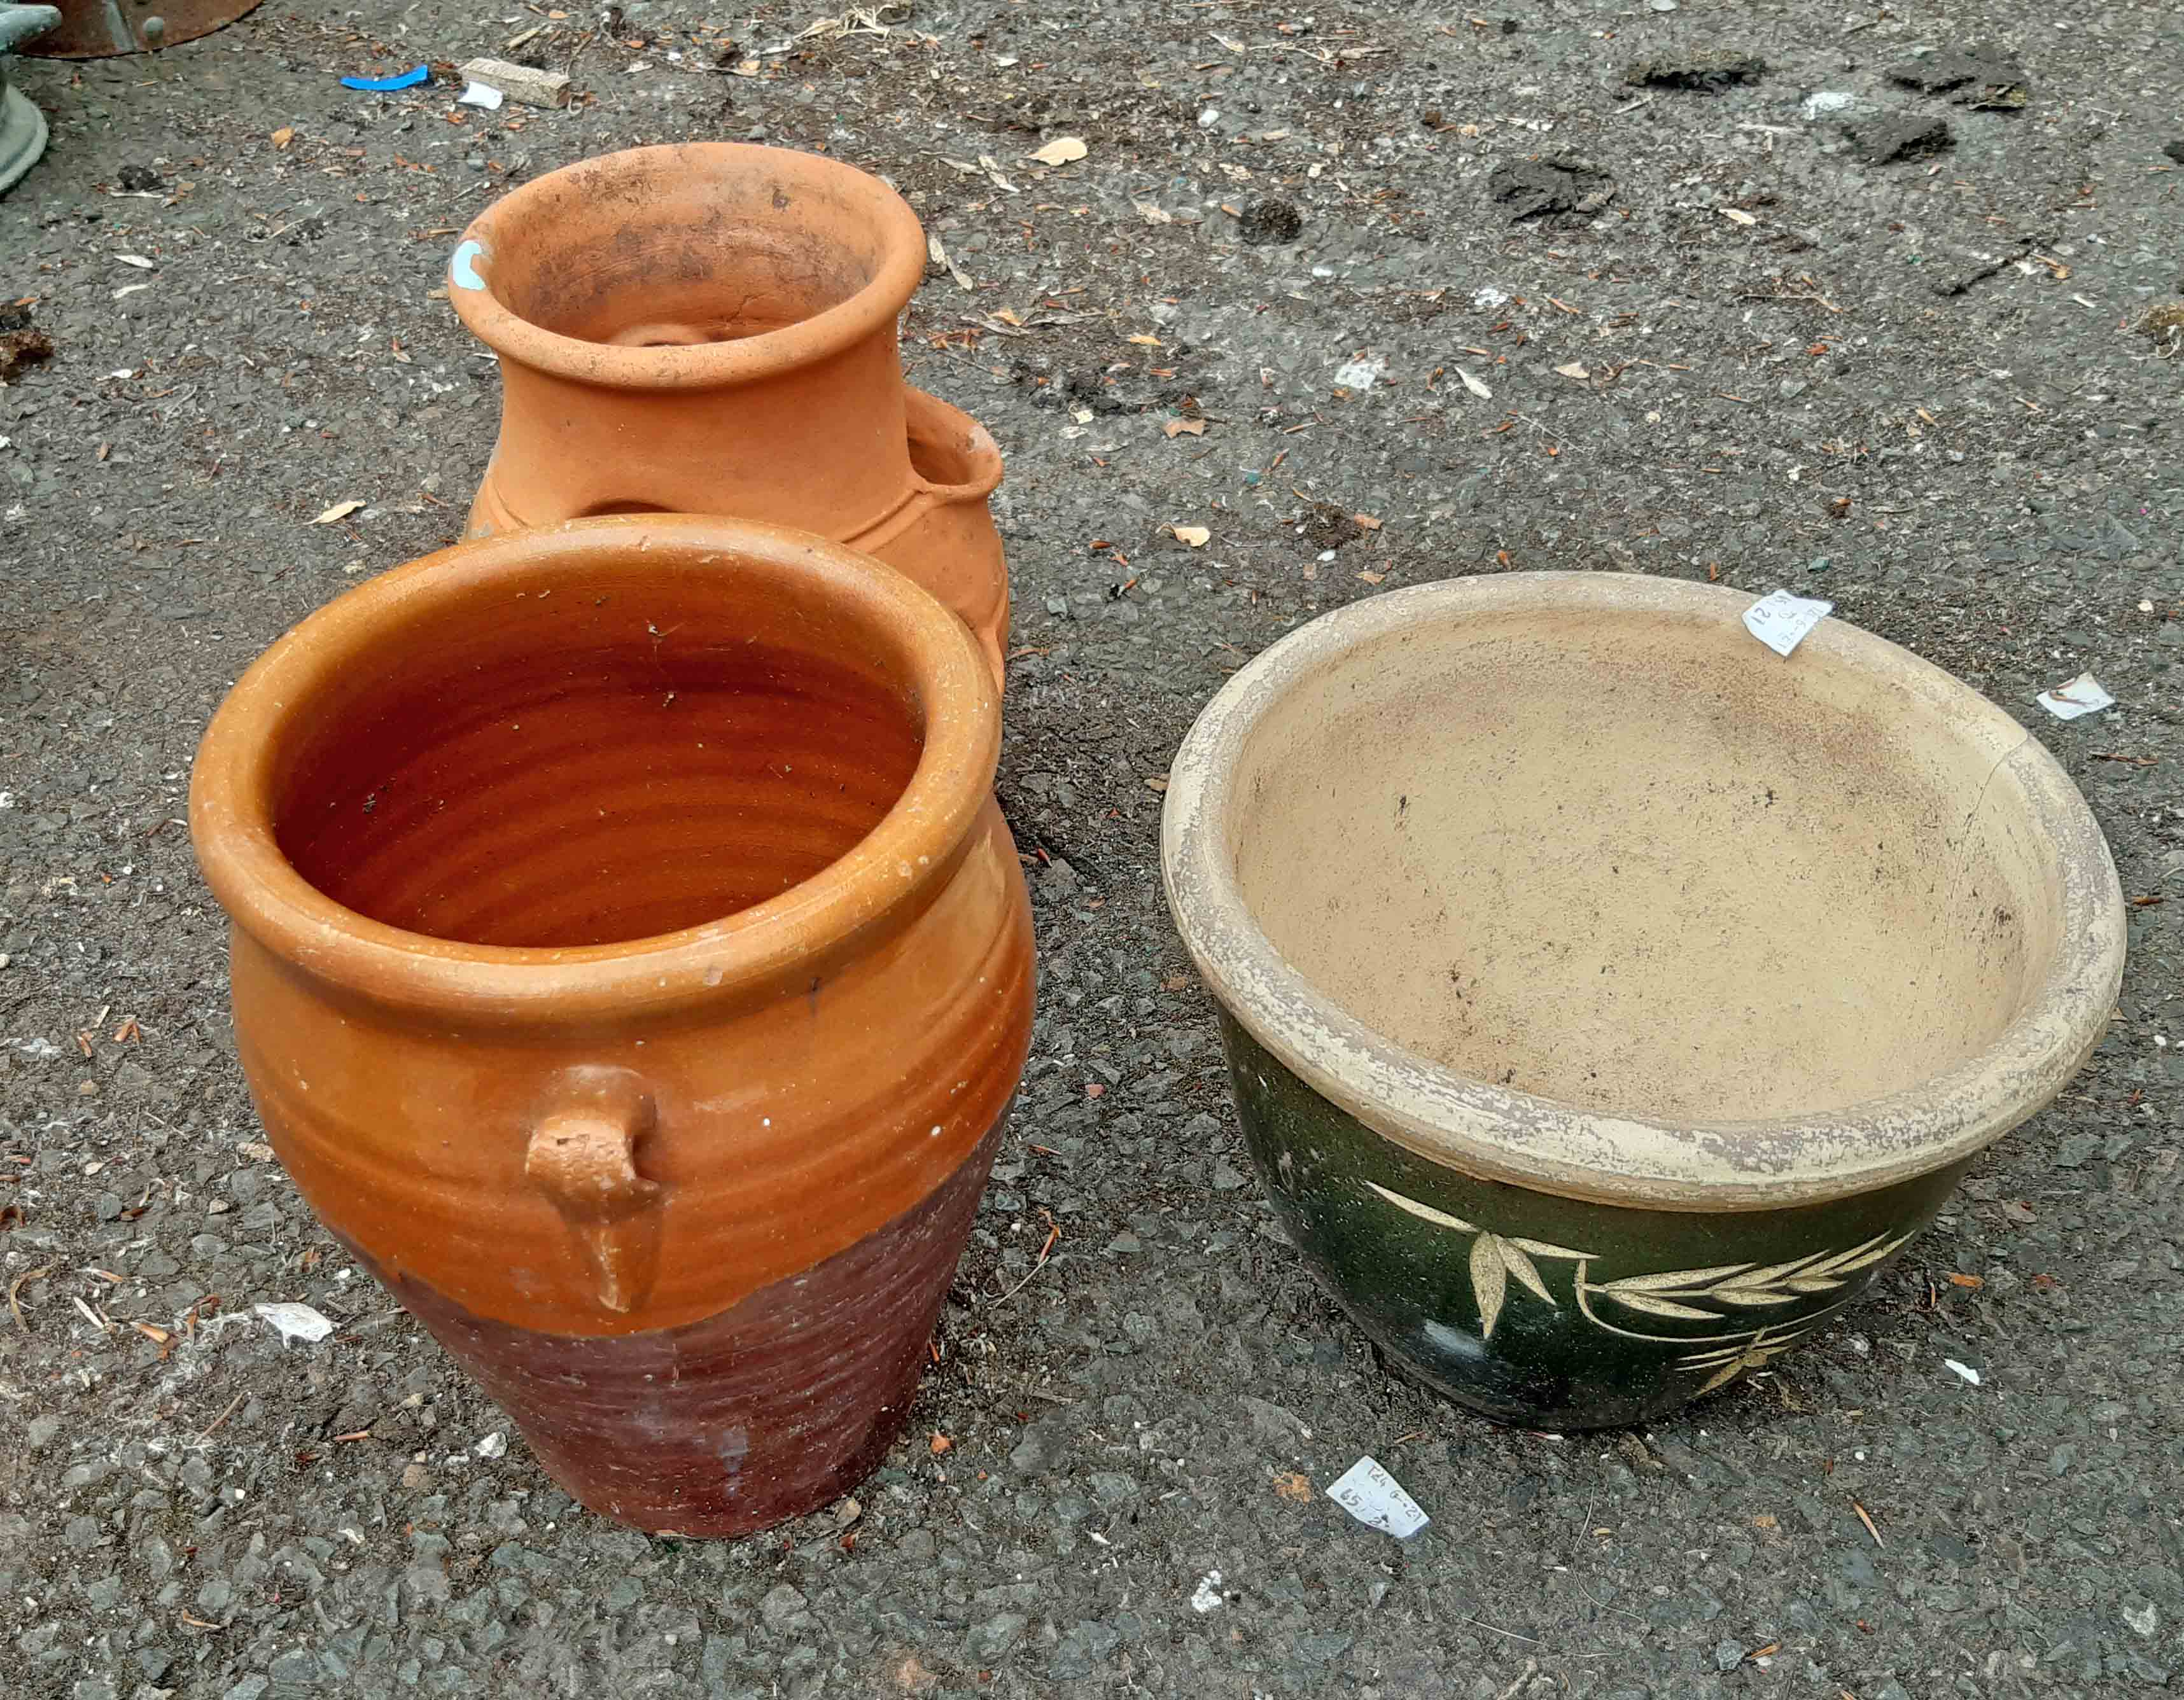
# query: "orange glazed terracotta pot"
[[710, 328], [632, 969]]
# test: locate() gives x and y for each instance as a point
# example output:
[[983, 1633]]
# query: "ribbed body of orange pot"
[[710, 328], [631, 967]]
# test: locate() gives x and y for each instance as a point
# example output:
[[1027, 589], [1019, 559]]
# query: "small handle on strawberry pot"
[[583, 1156]]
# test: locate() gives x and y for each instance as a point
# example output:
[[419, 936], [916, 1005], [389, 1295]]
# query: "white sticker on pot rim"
[[1376, 1499], [1781, 621]]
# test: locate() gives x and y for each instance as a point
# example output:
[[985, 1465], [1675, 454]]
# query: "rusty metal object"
[[22, 126], [98, 29]]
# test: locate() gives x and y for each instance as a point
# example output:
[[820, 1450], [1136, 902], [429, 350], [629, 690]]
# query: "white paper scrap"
[[1781, 621], [1965, 1370], [1376, 1499], [480, 94], [295, 1321], [2082, 696], [1208, 1598]]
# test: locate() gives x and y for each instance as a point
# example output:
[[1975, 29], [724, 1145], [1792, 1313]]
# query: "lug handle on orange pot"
[[583, 1156]]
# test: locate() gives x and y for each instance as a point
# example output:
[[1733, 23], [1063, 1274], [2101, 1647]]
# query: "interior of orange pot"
[[585, 762], [637, 251], [1639, 863]]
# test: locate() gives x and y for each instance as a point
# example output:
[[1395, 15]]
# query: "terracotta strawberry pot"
[[631, 966], [710, 328], [1608, 998]]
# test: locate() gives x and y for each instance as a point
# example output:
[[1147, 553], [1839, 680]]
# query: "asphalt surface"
[[1914, 385]]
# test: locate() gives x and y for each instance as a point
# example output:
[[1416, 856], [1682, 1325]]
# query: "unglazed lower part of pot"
[[710, 328], [1608, 998], [630, 963], [784, 1401]]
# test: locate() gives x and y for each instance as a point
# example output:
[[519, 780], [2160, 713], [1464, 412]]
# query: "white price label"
[[1781, 621], [1376, 1499], [2083, 694]]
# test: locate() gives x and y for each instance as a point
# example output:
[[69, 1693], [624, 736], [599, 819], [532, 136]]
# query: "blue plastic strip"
[[409, 79]]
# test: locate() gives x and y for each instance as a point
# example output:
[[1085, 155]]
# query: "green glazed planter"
[[1608, 999]]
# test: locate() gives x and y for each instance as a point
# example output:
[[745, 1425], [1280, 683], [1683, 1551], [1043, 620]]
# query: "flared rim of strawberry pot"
[[507, 247], [1505, 1133], [897, 869]]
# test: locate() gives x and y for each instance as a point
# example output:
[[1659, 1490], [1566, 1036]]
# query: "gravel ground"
[[1456, 274]]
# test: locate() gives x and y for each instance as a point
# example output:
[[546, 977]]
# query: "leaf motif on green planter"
[[1661, 1307], [1673, 1279], [1425, 1212], [1680, 1295], [1489, 1280], [1514, 1260], [1679, 1292]]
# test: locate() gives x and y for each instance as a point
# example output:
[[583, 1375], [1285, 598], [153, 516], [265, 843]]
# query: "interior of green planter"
[[1640, 863]]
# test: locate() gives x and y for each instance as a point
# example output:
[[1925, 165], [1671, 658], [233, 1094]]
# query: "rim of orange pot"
[[708, 365], [1502, 1133], [890, 874]]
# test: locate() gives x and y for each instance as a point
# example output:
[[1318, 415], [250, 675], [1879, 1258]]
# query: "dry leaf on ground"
[[1061, 150]]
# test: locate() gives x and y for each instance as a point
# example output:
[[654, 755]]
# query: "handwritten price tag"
[[1781, 621], [1376, 1499]]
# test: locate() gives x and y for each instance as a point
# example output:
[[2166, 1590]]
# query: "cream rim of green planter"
[[1889, 732]]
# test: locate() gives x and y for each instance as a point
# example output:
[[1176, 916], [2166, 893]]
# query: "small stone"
[[990, 1641], [1708, 69], [139, 179], [1557, 183], [782, 1603], [1270, 222], [1905, 135], [494, 1445], [294, 1669], [2174, 150], [249, 1688], [1977, 77], [81, 1533], [2071, 1153], [1728, 1655], [2139, 1614], [415, 1475]]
